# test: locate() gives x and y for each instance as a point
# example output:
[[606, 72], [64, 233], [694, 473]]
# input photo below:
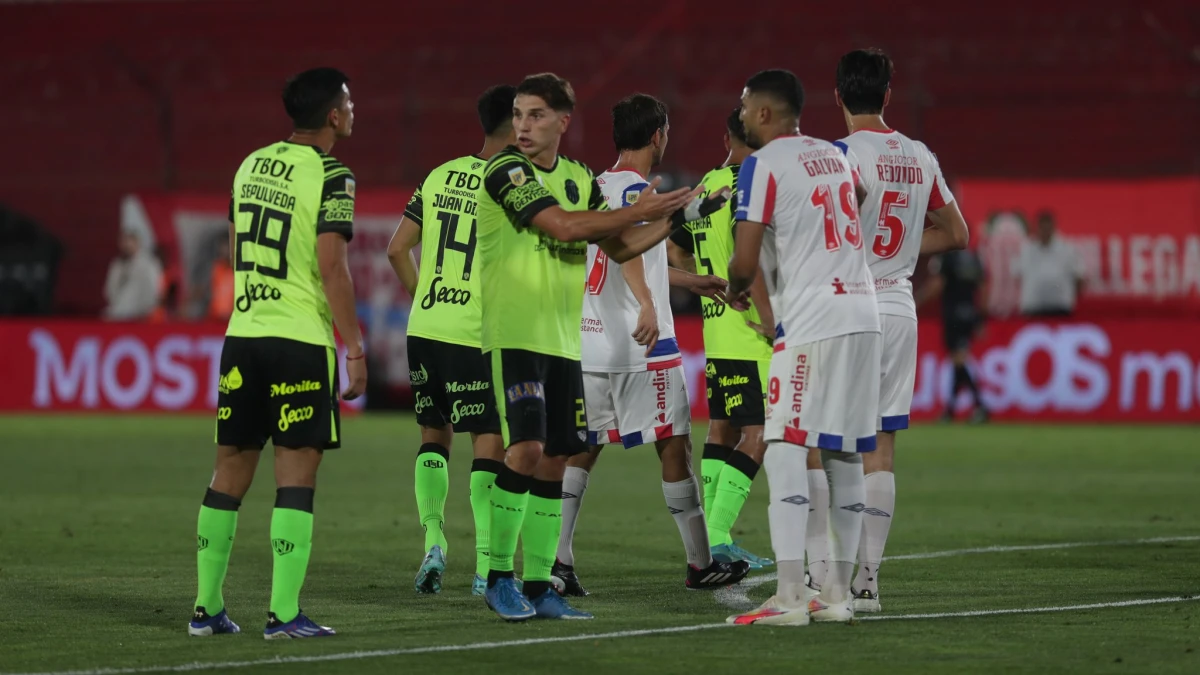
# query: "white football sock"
[[575, 481], [877, 521], [786, 467], [817, 540], [846, 503], [683, 499]]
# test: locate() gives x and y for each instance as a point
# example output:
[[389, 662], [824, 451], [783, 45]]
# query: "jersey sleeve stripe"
[[768, 209], [936, 199], [843, 147]]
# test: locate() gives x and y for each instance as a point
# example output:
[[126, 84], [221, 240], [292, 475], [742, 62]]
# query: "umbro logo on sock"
[[568, 495], [877, 512], [798, 500], [857, 508], [674, 510]]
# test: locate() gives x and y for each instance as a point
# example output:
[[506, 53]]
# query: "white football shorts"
[[825, 394], [636, 408], [898, 371]]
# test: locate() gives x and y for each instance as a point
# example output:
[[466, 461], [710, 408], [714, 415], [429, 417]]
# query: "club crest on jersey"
[[350, 185], [516, 176], [572, 191]]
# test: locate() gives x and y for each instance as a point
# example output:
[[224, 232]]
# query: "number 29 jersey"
[[447, 306], [802, 189], [284, 196], [903, 182]]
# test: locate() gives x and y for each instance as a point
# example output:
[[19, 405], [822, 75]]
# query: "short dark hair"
[[781, 85], [734, 125], [554, 90], [635, 119], [309, 96], [495, 107], [863, 78]]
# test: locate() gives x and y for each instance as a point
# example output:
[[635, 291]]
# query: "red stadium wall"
[[110, 98], [1097, 371]]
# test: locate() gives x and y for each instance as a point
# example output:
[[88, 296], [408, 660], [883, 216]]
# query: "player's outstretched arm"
[[339, 292], [637, 240], [566, 225], [400, 253], [949, 231], [762, 303], [679, 257], [743, 267], [704, 285]]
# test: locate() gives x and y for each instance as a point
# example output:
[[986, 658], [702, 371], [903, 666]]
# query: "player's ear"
[[727, 148], [564, 122], [837, 98], [887, 96]]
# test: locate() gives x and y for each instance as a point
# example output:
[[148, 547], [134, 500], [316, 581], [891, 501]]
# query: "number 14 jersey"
[[903, 182], [446, 306], [802, 189]]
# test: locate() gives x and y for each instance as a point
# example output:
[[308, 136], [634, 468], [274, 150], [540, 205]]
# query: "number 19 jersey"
[[802, 189], [447, 306], [284, 195], [903, 182]]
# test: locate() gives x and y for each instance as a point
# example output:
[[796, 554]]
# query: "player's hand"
[[356, 372], [763, 329], [738, 301], [710, 286], [652, 205], [645, 333]]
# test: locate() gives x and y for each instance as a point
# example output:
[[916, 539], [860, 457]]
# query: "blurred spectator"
[[134, 281], [220, 294], [1050, 273], [957, 276]]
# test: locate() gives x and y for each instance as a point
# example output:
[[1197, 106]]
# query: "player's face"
[[342, 117], [660, 144], [753, 115], [538, 126]]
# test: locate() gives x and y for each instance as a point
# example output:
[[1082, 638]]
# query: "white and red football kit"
[[823, 390], [630, 398], [903, 182]]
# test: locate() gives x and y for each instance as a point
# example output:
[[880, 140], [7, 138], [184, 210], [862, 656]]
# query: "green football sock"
[[483, 476], [215, 527], [432, 481], [733, 488], [510, 496], [291, 541], [539, 536], [711, 464]]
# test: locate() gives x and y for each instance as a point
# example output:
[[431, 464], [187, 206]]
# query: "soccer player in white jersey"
[[904, 185], [823, 388], [634, 387]]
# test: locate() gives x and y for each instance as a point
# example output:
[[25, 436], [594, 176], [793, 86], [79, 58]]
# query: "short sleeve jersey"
[[610, 311], [802, 189], [532, 284], [903, 182], [710, 239], [284, 196], [447, 305]]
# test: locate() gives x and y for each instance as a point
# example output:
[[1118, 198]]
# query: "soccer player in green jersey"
[[290, 218], [537, 211], [450, 375], [737, 346]]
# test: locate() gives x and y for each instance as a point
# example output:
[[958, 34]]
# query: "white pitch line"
[[473, 646], [735, 597]]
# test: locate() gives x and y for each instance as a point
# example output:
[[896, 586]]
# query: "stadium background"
[[135, 115]]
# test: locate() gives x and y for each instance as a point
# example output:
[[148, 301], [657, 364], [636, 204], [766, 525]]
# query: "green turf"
[[97, 540]]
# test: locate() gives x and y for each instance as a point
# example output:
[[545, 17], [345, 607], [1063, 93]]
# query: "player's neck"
[[737, 156], [547, 158], [491, 146], [322, 139], [867, 123], [783, 130], [638, 161]]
